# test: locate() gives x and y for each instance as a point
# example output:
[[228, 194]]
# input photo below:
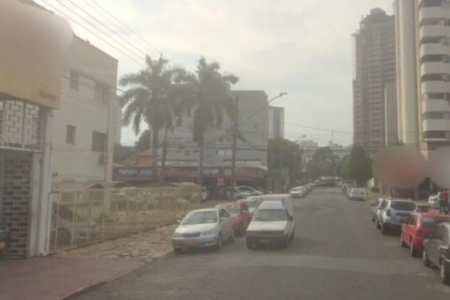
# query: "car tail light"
[[388, 212]]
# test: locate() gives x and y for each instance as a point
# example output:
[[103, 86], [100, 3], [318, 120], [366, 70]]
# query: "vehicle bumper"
[[393, 226], [266, 240], [197, 242], [356, 198], [297, 196]]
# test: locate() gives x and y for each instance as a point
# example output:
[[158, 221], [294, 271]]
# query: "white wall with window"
[[84, 129]]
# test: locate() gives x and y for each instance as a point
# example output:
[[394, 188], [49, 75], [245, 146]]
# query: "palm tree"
[[210, 99], [146, 99]]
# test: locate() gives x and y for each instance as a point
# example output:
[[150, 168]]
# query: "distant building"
[[308, 144], [375, 66], [276, 122], [390, 114], [253, 113]]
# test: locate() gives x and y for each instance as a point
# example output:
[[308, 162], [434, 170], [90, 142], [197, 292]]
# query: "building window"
[[227, 152], [187, 152], [70, 134], [74, 80], [433, 115], [101, 93], [98, 142], [434, 134]]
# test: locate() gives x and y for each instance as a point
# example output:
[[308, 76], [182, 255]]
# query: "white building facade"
[[253, 110], [84, 129], [423, 89]]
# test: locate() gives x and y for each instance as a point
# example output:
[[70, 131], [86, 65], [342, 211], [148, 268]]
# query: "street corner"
[[143, 247]]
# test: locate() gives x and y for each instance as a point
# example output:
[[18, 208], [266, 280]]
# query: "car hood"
[[195, 228], [297, 192], [259, 225]]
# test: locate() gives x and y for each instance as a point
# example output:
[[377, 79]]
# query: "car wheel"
[[285, 243], [377, 224], [177, 251], [425, 260], [445, 278], [413, 251], [383, 229], [218, 245], [292, 236], [250, 246], [231, 239], [402, 242]]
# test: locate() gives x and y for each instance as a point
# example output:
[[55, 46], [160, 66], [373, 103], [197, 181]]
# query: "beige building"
[[374, 67], [390, 114]]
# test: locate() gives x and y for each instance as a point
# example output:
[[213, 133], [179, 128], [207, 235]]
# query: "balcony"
[[435, 87], [436, 125], [434, 49], [432, 31], [433, 12], [434, 68], [435, 105]]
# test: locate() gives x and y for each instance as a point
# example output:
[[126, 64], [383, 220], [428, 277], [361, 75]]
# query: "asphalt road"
[[337, 254]]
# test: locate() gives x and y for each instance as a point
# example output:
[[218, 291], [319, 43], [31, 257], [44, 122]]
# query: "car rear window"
[[403, 205], [432, 222]]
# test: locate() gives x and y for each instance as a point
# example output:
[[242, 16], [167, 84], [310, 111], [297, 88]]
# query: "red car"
[[239, 211], [417, 227]]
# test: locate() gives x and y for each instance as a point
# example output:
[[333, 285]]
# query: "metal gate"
[[20, 136]]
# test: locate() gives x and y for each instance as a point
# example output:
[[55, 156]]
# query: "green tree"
[[359, 165], [323, 163], [210, 99], [122, 153], [143, 142], [146, 99]]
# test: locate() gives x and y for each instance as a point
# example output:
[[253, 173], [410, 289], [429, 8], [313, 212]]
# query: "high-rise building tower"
[[374, 67]]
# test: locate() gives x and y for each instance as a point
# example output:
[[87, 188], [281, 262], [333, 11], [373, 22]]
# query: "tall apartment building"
[[276, 122], [423, 88], [374, 67]]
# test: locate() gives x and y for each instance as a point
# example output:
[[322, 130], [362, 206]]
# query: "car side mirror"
[[290, 218]]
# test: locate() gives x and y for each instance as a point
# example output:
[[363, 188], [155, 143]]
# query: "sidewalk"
[[54, 278], [57, 277]]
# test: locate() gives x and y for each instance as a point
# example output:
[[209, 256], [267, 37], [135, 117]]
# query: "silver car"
[[203, 228]]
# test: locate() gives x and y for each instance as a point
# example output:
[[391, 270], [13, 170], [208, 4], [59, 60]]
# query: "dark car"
[[436, 251]]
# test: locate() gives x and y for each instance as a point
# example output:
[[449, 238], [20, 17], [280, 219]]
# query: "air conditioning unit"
[[103, 158]]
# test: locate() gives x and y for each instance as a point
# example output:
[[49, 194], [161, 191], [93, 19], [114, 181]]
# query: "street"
[[337, 254]]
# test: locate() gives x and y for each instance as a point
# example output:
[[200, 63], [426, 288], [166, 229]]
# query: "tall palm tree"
[[146, 99], [210, 100]]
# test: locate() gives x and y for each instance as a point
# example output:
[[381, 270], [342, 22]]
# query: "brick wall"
[[15, 198]]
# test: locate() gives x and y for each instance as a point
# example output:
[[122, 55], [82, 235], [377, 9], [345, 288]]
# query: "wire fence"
[[83, 217]]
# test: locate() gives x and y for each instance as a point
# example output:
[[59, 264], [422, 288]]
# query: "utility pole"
[[235, 134]]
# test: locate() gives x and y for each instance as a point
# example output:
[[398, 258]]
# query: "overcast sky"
[[302, 47]]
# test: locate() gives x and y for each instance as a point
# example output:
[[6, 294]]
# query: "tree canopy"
[[355, 166], [323, 163]]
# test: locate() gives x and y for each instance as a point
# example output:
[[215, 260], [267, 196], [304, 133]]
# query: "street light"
[[276, 97]]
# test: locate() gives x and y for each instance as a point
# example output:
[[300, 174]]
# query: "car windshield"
[[297, 189], [433, 222], [231, 208], [200, 217], [270, 215], [403, 205]]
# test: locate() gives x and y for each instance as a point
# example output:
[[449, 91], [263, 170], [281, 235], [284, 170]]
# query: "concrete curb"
[[94, 285]]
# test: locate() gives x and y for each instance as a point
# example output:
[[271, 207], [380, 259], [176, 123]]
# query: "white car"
[[433, 200], [356, 194], [299, 192], [248, 190], [272, 223], [203, 228]]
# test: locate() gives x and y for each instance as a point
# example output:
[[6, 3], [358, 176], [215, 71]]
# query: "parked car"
[[433, 200], [417, 227], [240, 212], [375, 209], [298, 192], [356, 194], [393, 213], [237, 194], [436, 251], [203, 228], [273, 223], [248, 190]]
